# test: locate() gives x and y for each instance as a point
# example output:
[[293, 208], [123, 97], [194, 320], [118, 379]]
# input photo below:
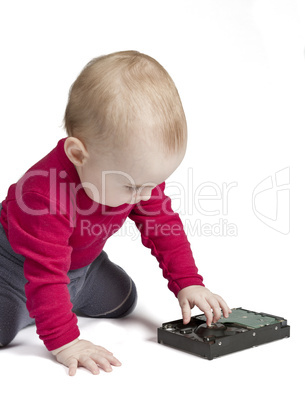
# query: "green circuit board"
[[245, 318]]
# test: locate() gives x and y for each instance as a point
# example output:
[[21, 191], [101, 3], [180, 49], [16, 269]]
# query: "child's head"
[[124, 114]]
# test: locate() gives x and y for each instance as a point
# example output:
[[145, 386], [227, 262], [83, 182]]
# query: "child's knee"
[[130, 304], [6, 337], [13, 317], [101, 308]]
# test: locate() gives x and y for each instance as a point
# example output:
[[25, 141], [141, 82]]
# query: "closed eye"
[[138, 188]]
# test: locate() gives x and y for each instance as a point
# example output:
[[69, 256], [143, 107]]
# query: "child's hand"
[[204, 299], [85, 354]]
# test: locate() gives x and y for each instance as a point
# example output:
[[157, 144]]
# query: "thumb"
[[186, 311]]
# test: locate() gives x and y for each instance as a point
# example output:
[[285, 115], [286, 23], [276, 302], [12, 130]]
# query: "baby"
[[127, 134]]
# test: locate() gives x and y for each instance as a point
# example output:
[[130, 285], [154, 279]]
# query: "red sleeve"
[[162, 231], [43, 239]]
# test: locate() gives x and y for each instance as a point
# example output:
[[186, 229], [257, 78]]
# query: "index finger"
[[186, 311]]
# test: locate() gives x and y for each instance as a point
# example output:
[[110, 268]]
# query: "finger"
[[73, 367], [101, 348], [114, 361], [104, 351], [225, 308], [206, 308], [102, 362], [89, 364], [216, 313], [186, 311], [214, 304]]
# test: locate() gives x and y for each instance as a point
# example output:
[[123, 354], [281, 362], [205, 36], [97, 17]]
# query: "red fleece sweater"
[[49, 219]]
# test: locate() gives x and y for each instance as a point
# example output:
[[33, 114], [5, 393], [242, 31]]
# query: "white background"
[[239, 68]]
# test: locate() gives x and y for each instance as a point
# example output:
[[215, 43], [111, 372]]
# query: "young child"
[[127, 134]]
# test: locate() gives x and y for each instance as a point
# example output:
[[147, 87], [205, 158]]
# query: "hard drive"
[[242, 330]]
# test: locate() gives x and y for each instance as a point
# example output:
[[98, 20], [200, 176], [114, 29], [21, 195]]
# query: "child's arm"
[[162, 231], [43, 239], [80, 353]]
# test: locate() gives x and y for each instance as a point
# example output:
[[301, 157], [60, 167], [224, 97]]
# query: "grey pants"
[[101, 289]]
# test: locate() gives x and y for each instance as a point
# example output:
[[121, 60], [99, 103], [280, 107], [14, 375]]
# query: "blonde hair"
[[122, 94]]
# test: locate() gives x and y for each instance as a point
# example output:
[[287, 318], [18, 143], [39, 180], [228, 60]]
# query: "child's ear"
[[76, 151]]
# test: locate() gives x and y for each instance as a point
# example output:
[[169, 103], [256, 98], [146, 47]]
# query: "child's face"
[[126, 175]]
